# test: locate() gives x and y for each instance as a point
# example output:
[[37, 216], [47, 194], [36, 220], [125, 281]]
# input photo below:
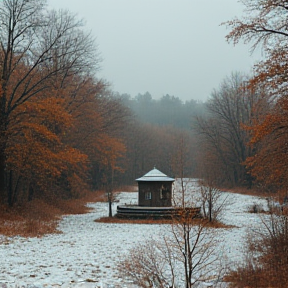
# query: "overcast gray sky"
[[174, 47]]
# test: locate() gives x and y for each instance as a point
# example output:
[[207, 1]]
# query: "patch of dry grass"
[[127, 188], [214, 224], [246, 191], [39, 217], [133, 221]]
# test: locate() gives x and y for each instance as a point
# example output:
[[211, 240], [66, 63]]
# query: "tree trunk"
[[10, 190], [30, 193], [3, 139], [110, 206], [110, 191], [13, 188], [2, 175], [210, 204], [3, 184]]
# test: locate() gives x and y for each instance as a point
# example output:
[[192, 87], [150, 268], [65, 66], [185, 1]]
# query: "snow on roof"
[[155, 175]]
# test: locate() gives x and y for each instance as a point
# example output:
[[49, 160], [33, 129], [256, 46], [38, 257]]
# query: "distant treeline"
[[210, 140], [159, 134], [167, 111]]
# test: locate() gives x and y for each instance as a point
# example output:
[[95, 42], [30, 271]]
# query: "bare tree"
[[146, 266], [39, 49], [188, 252], [213, 201], [196, 248], [222, 136]]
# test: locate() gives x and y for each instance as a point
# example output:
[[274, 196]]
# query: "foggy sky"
[[174, 47]]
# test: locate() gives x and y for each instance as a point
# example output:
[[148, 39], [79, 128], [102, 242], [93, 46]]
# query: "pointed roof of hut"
[[155, 175]]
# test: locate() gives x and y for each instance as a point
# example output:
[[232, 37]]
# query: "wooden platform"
[[132, 211]]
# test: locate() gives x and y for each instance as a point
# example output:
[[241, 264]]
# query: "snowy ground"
[[86, 253]]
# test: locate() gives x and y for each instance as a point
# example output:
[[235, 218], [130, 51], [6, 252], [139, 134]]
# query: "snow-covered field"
[[86, 253]]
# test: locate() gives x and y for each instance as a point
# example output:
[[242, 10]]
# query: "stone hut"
[[155, 199], [155, 189]]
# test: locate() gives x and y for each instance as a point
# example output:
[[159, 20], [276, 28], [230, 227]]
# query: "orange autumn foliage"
[[35, 150], [110, 150], [264, 24], [51, 138], [38, 63], [94, 128], [57, 121], [269, 165], [269, 133]]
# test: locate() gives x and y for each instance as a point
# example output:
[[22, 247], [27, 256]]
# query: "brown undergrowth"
[[39, 217], [127, 189], [246, 191], [214, 224], [265, 265]]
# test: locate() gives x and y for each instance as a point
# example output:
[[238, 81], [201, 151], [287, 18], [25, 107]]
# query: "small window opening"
[[148, 196], [163, 192]]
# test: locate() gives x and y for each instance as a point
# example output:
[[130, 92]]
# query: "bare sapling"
[[213, 201]]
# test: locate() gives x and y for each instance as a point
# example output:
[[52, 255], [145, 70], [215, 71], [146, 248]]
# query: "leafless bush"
[[146, 266], [184, 257], [213, 201], [266, 262], [184, 193], [256, 208]]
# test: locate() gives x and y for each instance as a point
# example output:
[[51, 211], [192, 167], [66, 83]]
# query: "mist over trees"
[[62, 130], [216, 134], [159, 129], [167, 111], [225, 135]]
